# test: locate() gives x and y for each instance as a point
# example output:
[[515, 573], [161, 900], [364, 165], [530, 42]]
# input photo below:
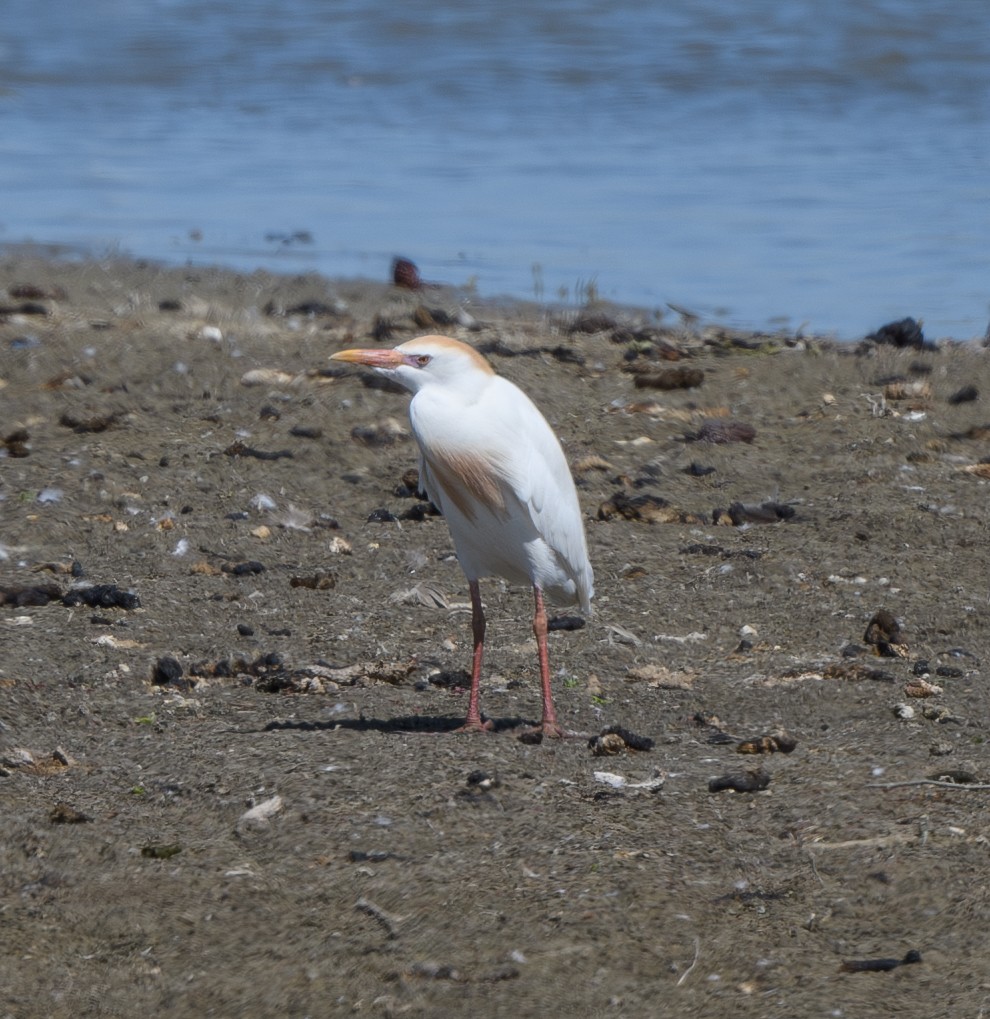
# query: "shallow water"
[[775, 164]]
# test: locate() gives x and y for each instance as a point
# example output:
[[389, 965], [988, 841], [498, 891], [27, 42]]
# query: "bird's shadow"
[[401, 724]]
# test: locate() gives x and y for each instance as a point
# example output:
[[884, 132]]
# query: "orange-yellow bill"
[[380, 358]]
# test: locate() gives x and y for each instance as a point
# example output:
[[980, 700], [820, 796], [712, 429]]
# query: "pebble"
[[741, 782], [777, 741], [17, 757], [263, 503], [261, 813], [652, 785], [921, 688]]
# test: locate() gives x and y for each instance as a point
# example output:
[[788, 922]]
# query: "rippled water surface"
[[764, 162]]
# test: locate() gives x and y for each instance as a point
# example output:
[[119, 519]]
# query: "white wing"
[[496, 470]]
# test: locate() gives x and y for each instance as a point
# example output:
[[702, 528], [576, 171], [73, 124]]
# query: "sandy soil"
[[238, 794]]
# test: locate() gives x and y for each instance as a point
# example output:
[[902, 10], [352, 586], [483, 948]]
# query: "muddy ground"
[[293, 652]]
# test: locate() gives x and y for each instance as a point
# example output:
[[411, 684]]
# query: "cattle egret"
[[493, 466]]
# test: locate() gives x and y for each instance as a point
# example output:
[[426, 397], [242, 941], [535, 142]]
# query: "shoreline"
[[668, 315], [19, 262]]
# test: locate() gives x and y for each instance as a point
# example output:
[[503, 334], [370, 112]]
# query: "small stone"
[[262, 813], [17, 757], [59, 755], [608, 745], [64, 813], [921, 688], [740, 782], [166, 671]]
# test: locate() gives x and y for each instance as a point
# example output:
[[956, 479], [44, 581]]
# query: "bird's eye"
[[423, 360]]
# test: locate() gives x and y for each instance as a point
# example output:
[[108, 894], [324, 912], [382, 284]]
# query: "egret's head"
[[424, 361]]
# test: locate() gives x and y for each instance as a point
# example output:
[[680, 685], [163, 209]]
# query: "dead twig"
[[962, 786], [389, 922], [694, 962], [876, 840]]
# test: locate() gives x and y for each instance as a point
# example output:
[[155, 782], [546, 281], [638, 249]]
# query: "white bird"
[[493, 466]]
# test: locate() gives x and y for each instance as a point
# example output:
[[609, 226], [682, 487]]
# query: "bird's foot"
[[476, 725]]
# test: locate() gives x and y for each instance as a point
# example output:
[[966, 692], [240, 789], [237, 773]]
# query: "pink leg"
[[473, 722], [549, 724]]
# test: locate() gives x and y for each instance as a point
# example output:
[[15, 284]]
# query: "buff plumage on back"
[[466, 480]]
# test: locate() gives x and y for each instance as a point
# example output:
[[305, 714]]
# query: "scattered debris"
[[64, 813], [96, 424], [270, 377], [388, 921], [879, 965], [670, 379], [270, 673], [101, 596], [905, 333], [592, 462], [884, 633], [36, 292], [719, 550], [920, 391], [238, 448], [371, 856], [382, 515], [956, 776], [650, 785], [384, 433], [161, 851], [970, 784], [660, 677], [16, 444], [722, 432], [650, 509], [424, 593], [740, 782], [739, 514], [405, 274], [306, 432], [777, 741], [482, 780], [32, 594], [921, 688], [590, 322], [620, 635], [965, 395], [261, 813], [167, 671], [614, 739], [319, 581], [246, 568]]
